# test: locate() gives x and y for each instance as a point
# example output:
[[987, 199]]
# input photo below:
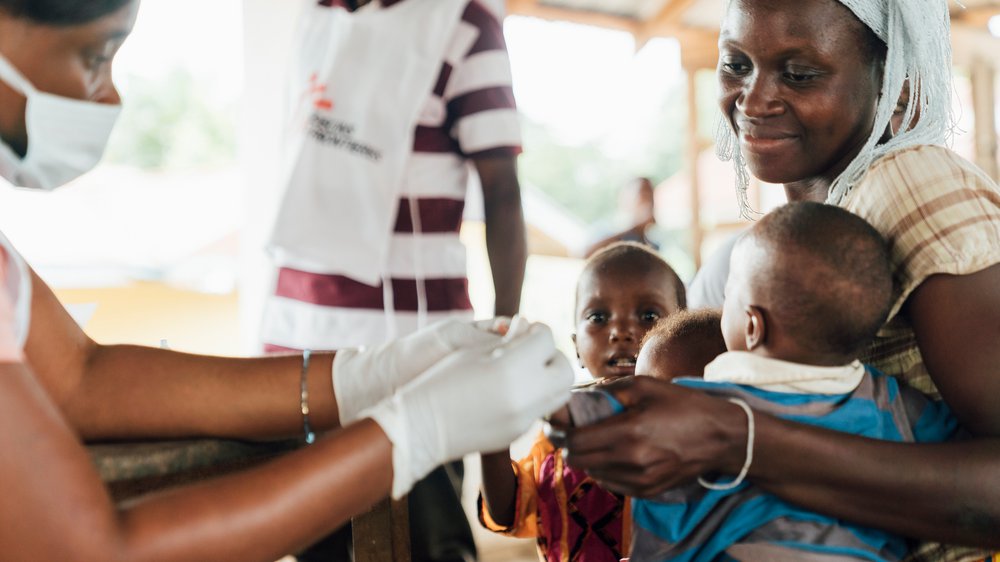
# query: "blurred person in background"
[[634, 217]]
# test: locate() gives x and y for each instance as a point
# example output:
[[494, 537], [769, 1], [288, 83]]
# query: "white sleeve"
[[708, 288], [15, 301]]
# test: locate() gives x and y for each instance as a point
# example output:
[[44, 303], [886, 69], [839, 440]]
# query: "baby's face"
[[614, 312]]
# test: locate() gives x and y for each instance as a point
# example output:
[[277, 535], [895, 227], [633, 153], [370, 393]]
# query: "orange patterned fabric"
[[571, 518]]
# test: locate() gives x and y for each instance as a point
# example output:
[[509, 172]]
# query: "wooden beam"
[[973, 5], [971, 44], [383, 533], [976, 17], [699, 48], [672, 12], [983, 102], [691, 157], [666, 22], [535, 9]]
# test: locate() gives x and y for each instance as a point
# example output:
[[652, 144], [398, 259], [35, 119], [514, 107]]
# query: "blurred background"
[[164, 241]]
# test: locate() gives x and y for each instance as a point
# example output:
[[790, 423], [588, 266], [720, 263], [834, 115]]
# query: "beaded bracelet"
[[746, 464], [304, 398]]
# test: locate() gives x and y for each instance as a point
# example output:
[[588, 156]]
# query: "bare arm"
[[499, 487], [260, 514], [506, 241], [500, 484], [59, 510], [948, 492], [129, 391]]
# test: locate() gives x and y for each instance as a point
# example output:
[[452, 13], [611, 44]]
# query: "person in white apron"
[[367, 237], [402, 408]]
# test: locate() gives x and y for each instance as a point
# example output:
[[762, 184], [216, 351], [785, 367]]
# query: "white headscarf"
[[917, 34]]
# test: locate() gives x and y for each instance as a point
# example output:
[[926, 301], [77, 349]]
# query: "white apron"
[[364, 78]]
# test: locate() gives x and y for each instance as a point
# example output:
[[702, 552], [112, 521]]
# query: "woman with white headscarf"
[[808, 89], [403, 408]]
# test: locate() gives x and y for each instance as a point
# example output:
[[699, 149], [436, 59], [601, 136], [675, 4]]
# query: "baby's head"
[[682, 345], [810, 283], [624, 290]]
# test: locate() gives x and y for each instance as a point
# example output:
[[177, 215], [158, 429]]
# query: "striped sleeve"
[[10, 347], [940, 214], [476, 88]]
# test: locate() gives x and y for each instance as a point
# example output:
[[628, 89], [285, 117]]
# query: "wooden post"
[[133, 469], [383, 534], [983, 99], [693, 151]]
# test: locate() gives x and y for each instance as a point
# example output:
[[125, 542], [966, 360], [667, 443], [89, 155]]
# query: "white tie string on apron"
[[418, 266], [388, 297]]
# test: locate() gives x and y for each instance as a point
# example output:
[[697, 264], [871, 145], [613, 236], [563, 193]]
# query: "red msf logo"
[[317, 93]]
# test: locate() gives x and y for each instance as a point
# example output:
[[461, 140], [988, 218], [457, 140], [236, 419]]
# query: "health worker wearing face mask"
[[68, 115], [401, 408]]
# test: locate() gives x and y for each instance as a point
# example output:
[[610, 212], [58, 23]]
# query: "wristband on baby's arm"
[[593, 405], [585, 407]]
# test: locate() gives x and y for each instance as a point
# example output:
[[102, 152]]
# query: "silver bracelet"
[[304, 398], [746, 464]]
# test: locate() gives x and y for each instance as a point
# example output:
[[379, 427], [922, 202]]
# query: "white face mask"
[[66, 137]]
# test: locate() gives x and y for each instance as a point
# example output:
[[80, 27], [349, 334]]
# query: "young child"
[[623, 291], [798, 311]]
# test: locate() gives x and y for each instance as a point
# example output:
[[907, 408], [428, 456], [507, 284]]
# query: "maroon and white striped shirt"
[[470, 114]]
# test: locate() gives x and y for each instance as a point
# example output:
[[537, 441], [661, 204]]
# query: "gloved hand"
[[363, 377], [473, 400]]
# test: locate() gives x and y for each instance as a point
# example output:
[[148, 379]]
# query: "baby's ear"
[[756, 329]]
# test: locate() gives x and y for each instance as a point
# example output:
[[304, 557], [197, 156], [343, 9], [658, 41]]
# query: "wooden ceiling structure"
[[694, 23]]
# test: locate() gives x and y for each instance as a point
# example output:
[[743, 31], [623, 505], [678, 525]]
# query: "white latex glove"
[[363, 377], [512, 327], [473, 400]]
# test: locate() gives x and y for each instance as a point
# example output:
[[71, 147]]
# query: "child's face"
[[614, 312]]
